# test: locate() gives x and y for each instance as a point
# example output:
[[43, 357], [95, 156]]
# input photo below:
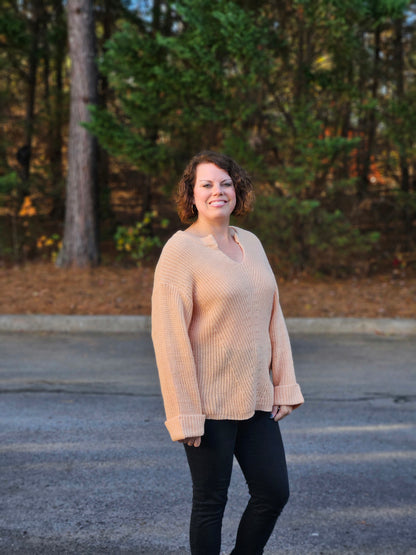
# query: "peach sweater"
[[221, 343]]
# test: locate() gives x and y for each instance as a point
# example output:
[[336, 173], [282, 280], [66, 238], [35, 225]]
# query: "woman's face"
[[214, 193]]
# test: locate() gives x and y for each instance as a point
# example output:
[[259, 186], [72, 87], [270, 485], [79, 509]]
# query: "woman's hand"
[[279, 412], [191, 441]]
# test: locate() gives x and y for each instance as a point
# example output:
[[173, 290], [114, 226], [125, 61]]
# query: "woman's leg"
[[260, 453], [211, 466]]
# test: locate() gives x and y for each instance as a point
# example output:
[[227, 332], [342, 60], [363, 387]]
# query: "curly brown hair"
[[241, 181]]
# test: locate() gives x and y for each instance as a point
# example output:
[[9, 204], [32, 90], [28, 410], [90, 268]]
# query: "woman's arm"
[[171, 316], [287, 392]]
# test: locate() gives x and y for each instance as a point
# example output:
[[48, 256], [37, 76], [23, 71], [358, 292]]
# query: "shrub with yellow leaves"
[[49, 247], [138, 241], [27, 209]]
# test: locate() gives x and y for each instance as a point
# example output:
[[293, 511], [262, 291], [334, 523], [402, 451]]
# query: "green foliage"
[[400, 122], [14, 32], [217, 82], [180, 93], [8, 183], [137, 242], [310, 96], [311, 157], [302, 234]]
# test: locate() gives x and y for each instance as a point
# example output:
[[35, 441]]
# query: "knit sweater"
[[220, 339]]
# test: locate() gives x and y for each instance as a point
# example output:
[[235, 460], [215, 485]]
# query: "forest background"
[[317, 99]]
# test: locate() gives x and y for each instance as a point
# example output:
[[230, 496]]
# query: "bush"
[[137, 242], [301, 235]]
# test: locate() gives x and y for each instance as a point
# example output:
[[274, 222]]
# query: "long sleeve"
[[171, 315], [286, 390]]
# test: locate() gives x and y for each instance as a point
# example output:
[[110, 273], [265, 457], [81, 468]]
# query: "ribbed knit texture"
[[220, 339]]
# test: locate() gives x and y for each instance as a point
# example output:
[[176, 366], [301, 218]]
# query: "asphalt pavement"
[[87, 466]]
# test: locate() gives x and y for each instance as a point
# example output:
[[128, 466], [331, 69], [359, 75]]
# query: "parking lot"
[[87, 465]]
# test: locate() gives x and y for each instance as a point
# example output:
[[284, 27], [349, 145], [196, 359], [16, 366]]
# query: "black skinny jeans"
[[258, 447]]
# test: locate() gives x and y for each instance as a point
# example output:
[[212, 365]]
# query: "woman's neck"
[[220, 230]]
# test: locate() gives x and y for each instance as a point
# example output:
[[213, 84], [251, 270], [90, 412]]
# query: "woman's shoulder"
[[174, 240], [246, 235], [251, 244], [178, 244], [176, 256]]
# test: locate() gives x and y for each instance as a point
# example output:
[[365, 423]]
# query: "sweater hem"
[[238, 417]]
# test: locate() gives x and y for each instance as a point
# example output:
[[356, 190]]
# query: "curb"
[[134, 324], [69, 324], [365, 326]]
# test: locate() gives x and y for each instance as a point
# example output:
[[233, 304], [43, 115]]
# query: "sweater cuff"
[[183, 426], [288, 395]]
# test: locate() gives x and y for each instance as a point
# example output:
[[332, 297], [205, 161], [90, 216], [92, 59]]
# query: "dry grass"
[[40, 288]]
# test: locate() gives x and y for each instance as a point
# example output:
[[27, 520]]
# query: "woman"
[[223, 355]]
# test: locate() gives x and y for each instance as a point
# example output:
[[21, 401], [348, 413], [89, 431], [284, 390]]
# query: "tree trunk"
[[25, 152], [300, 61], [58, 112], [399, 70], [369, 145], [104, 210], [80, 244]]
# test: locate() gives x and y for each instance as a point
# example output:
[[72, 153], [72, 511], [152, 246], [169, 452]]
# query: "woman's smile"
[[214, 189]]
